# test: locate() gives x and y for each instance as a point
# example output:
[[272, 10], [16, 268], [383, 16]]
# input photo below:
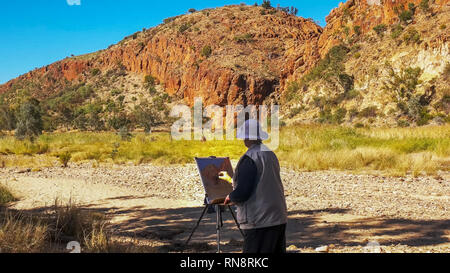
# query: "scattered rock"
[[323, 249]]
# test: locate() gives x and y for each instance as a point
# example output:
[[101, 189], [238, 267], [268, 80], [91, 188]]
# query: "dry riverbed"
[[330, 211]]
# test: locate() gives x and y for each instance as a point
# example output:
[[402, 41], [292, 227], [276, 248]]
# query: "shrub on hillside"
[[292, 91], [266, 4], [411, 36], [330, 66], [336, 117], [368, 112], [206, 51], [396, 31], [403, 86], [425, 5], [380, 29], [184, 27], [295, 111], [245, 38], [406, 16], [95, 72]]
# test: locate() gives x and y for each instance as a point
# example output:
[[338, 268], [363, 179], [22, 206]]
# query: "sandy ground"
[[159, 205]]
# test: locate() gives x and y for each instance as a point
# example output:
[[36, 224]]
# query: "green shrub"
[[330, 66], [325, 116], [266, 4], [424, 117], [396, 31], [149, 80], [351, 94], [357, 30], [412, 8], [425, 5], [380, 29], [6, 196], [368, 112], [406, 15], [116, 92], [443, 26], [346, 30], [320, 102], [192, 10], [170, 19], [95, 72], [411, 36], [292, 91], [246, 38], [295, 111], [346, 81], [64, 158], [337, 117], [206, 51], [403, 123], [184, 27]]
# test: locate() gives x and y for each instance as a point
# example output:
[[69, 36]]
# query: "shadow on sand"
[[306, 228]]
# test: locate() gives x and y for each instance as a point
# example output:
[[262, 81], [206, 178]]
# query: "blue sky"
[[34, 33]]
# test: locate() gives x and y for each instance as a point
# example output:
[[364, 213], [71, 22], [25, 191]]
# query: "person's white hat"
[[251, 130]]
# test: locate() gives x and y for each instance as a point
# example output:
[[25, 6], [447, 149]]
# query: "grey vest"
[[267, 205]]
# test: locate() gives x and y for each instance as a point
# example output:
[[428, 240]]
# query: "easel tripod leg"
[[236, 221], [197, 225], [219, 217]]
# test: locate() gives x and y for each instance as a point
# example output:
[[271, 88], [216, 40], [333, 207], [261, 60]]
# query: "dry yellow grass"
[[46, 232], [396, 151]]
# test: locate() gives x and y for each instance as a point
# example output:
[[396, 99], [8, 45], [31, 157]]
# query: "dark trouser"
[[271, 240]]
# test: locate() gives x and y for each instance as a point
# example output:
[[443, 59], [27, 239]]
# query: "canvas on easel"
[[209, 169]]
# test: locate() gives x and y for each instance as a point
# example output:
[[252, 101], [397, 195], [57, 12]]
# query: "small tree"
[[266, 4], [192, 10], [403, 87], [293, 11], [29, 120]]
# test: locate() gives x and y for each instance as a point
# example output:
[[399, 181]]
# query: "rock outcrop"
[[365, 14], [229, 55]]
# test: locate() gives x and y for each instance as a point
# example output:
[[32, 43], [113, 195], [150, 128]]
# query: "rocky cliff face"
[[379, 55], [243, 54], [365, 14], [229, 55]]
